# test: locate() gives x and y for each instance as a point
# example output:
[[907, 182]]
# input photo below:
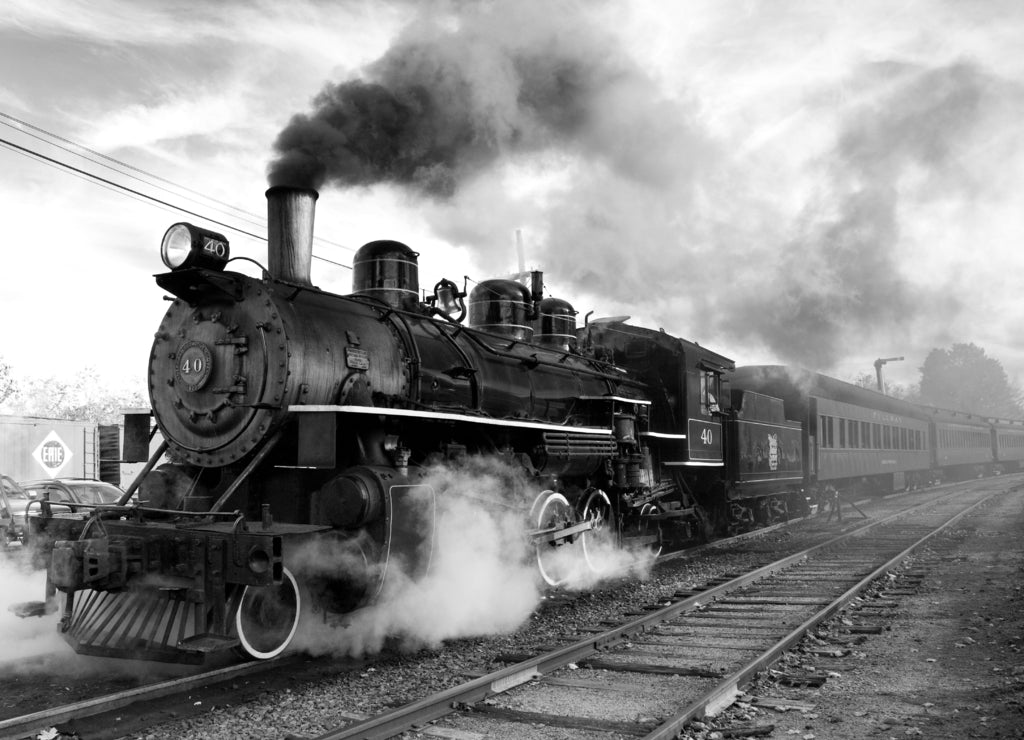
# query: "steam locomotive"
[[292, 417]]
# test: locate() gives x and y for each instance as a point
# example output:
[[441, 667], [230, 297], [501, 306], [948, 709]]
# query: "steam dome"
[[388, 271], [501, 307], [557, 324]]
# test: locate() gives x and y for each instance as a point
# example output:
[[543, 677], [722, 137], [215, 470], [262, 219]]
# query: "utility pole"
[[878, 369]]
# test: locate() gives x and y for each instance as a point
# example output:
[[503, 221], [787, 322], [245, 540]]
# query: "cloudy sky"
[[815, 182]]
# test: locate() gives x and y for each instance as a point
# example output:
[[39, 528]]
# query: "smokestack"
[[290, 213]]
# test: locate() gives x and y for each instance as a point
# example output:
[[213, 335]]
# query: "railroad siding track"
[[702, 646]]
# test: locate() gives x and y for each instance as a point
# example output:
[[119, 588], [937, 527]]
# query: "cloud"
[[142, 126], [766, 201], [662, 161], [297, 26]]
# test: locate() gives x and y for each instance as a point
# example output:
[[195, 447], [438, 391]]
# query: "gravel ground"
[[949, 664]]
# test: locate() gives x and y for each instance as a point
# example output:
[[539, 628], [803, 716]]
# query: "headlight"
[[185, 245]]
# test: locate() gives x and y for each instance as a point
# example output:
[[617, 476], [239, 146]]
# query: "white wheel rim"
[[597, 503], [544, 548], [249, 595], [645, 511]]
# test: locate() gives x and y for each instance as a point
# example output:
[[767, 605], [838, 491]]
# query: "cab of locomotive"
[[687, 417]]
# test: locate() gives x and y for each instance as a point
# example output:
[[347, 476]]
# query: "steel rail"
[[20, 726], [722, 695], [434, 707]]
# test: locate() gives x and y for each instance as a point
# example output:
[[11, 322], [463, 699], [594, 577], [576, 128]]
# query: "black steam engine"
[[301, 433], [294, 418]]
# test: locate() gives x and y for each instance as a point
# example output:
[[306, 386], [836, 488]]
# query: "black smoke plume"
[[454, 95]]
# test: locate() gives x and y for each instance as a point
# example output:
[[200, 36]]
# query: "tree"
[[964, 378], [84, 398], [7, 385]]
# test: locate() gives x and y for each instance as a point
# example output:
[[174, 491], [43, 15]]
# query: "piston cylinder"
[[350, 500]]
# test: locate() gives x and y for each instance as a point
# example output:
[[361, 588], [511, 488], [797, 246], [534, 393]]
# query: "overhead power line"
[[120, 163], [119, 186], [137, 195], [253, 220], [131, 192], [76, 149]]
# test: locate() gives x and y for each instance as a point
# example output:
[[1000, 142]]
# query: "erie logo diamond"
[[52, 454]]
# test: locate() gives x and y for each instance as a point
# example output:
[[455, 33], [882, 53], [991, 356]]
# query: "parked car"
[[65, 494], [73, 491], [13, 501]]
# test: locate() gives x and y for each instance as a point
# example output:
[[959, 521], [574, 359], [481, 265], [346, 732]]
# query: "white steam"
[[33, 645], [483, 577], [596, 558], [25, 637]]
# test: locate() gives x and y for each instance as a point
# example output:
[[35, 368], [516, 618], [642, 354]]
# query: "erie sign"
[[52, 454]]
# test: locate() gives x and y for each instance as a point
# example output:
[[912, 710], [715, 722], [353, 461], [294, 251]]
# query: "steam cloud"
[[838, 279], [803, 237], [483, 578], [31, 637], [33, 645]]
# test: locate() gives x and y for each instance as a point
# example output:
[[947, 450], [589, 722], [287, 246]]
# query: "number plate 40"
[[705, 438]]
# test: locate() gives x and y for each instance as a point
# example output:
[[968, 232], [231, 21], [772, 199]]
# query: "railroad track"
[[702, 645], [30, 725], [535, 668]]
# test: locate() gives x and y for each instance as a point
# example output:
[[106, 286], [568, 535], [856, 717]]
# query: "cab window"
[[709, 393]]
